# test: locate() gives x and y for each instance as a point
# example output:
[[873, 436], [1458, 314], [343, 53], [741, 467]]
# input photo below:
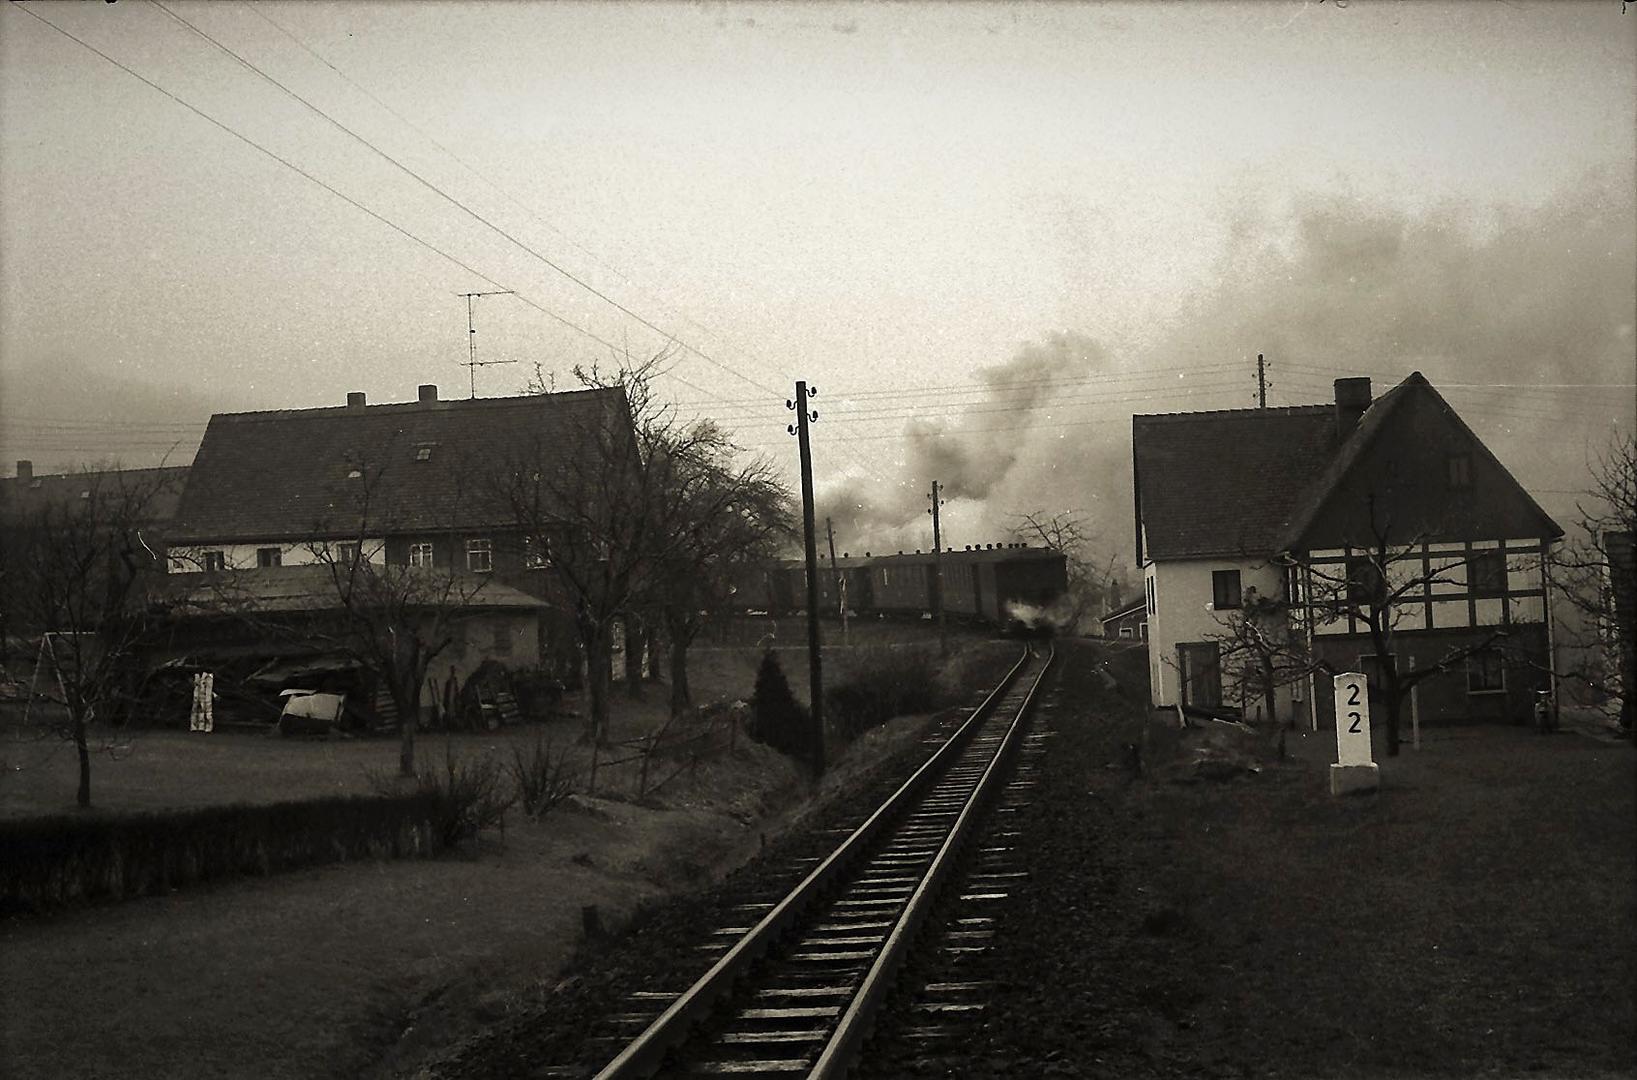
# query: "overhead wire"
[[465, 209], [518, 203], [343, 196]]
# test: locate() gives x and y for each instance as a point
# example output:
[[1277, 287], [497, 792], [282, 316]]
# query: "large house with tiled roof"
[[406, 483], [1286, 506], [409, 484]]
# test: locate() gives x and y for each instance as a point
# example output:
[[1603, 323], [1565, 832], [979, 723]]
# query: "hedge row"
[[49, 862]]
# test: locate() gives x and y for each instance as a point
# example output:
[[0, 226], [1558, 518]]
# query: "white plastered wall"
[[184, 560], [1182, 592]]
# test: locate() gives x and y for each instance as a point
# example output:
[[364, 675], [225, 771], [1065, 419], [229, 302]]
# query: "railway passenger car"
[[980, 582]]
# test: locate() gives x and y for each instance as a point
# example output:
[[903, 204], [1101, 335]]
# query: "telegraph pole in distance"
[[1261, 382], [841, 585], [815, 674], [938, 569]]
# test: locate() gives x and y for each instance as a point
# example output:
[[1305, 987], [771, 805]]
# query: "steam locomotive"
[[1005, 585]]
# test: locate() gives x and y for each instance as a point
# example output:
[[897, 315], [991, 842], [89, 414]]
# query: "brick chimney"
[[25, 470], [1352, 398], [355, 400], [429, 392]]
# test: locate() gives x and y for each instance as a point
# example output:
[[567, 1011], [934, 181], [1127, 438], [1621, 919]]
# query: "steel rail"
[[644, 1054], [840, 1053]]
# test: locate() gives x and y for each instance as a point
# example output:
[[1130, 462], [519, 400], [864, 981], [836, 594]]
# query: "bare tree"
[[1380, 586], [1259, 652], [77, 574], [1597, 575], [394, 620], [583, 498], [1090, 579], [717, 518]]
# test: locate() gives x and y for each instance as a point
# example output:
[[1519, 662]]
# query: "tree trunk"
[[82, 798], [1393, 699], [650, 649], [633, 658], [597, 685], [681, 699], [409, 715]]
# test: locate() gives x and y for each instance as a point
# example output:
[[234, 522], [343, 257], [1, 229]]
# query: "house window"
[[1458, 470], [1485, 672], [502, 640], [214, 560], [480, 556], [1224, 589], [536, 552], [423, 453], [1365, 585], [1142, 631], [1486, 573], [269, 556], [1125, 631], [1153, 603], [420, 554]]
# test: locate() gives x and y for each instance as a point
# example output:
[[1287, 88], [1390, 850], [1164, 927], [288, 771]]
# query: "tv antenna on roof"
[[472, 362]]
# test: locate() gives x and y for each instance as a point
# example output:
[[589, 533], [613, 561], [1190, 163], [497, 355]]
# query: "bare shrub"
[[471, 795], [542, 777]]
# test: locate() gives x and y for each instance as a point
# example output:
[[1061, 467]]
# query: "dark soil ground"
[[1477, 916]]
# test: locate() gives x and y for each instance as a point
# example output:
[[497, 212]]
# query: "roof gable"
[[1389, 479], [421, 466], [1226, 482]]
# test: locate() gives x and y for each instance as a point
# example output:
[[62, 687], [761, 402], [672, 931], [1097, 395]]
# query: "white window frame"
[[422, 553], [480, 546]]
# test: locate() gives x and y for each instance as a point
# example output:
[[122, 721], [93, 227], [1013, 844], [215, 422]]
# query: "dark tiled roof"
[[1364, 435], [1225, 483], [1254, 481], [19, 497], [1123, 612], [284, 474], [312, 588]]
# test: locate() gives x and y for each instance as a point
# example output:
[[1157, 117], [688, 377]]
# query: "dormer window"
[[355, 474], [423, 452]]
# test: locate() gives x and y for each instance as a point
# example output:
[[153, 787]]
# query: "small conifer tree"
[[777, 718]]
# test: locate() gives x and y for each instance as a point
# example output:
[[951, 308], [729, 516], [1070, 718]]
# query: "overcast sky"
[[1131, 200]]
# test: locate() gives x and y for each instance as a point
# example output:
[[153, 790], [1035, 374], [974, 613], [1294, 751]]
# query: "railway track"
[[796, 992]]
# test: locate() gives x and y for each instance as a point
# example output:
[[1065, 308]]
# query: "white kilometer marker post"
[[1354, 769]]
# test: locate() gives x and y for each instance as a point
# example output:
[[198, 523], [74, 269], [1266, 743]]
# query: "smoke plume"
[[1326, 286]]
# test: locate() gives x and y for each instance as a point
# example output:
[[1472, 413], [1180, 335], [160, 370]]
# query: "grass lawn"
[[356, 969], [1477, 915]]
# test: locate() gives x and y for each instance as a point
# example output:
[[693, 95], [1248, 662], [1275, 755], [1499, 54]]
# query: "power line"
[[457, 159], [349, 200], [467, 210]]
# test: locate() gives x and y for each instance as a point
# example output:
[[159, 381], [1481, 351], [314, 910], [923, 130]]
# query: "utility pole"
[[810, 543], [1261, 383], [938, 569], [840, 582], [472, 362]]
